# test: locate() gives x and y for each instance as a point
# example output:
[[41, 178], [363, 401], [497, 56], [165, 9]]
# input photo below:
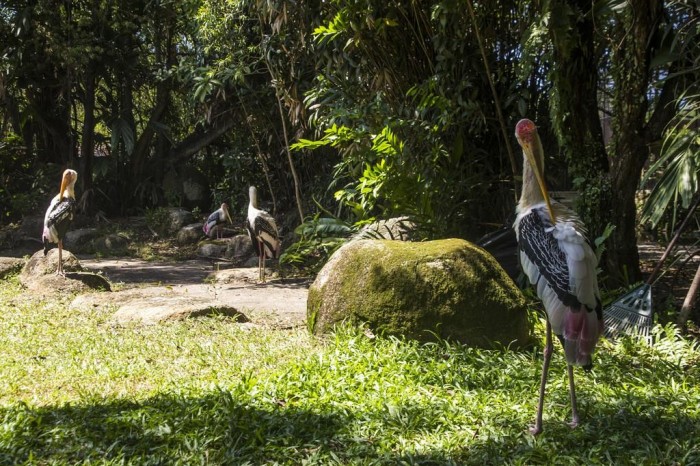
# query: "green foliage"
[[317, 239], [158, 220], [600, 240], [678, 167], [77, 390]]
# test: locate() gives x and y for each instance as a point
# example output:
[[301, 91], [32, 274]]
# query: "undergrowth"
[[75, 388]]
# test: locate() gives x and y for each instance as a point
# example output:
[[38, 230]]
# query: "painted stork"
[[558, 259], [215, 222], [59, 216], [262, 230]]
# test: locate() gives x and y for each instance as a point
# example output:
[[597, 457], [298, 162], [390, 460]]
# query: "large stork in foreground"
[[558, 259], [59, 216], [217, 219], [263, 232]]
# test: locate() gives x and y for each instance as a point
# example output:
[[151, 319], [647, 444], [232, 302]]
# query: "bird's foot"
[[60, 273], [535, 430], [573, 423]]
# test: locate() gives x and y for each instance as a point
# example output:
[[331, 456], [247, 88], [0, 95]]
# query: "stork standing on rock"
[[216, 221], [263, 232], [558, 259], [59, 216]]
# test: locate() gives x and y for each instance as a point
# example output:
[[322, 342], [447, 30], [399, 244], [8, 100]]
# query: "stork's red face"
[[525, 131]]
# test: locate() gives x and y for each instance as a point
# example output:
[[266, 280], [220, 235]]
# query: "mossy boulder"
[[450, 288]]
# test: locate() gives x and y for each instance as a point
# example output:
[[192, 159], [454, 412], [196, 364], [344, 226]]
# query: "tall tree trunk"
[[166, 58], [630, 149], [574, 109], [87, 144]]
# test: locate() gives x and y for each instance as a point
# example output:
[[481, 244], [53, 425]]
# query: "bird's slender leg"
[[59, 268], [260, 259], [572, 392], [263, 265], [537, 428]]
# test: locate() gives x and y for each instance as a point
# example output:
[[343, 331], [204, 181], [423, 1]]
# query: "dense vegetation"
[[365, 108], [77, 389]]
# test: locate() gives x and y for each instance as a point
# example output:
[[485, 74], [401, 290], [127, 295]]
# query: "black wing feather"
[[63, 212], [543, 250]]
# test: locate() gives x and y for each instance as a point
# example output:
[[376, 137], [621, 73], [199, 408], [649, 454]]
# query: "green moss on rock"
[[449, 287]]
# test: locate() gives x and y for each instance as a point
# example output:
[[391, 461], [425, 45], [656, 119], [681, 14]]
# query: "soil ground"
[[281, 302]]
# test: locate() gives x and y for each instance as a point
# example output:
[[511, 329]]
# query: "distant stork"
[[217, 219], [558, 259], [59, 216], [262, 230]]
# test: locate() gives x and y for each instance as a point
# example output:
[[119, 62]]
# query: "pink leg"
[[59, 269], [572, 392], [537, 428]]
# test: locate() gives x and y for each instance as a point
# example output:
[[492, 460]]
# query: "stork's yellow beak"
[[536, 161], [65, 181]]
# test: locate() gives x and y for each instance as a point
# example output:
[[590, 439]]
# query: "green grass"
[[77, 389]]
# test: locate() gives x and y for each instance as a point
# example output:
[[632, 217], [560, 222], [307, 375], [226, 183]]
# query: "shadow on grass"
[[218, 429], [213, 429]]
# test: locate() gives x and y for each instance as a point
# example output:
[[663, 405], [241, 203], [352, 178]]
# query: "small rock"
[[179, 217], [80, 238], [9, 265], [190, 234], [213, 248], [113, 244], [240, 249]]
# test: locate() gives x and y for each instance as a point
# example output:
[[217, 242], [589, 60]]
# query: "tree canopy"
[[362, 108]]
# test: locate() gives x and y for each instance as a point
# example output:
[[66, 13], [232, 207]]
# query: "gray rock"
[[240, 249], [179, 217], [112, 244], [212, 248], [451, 288], [10, 265], [32, 226], [80, 239], [190, 234], [39, 274]]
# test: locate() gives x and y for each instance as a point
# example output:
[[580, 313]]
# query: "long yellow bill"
[[64, 185], [534, 163]]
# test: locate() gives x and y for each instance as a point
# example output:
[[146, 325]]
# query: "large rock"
[[449, 287], [39, 274]]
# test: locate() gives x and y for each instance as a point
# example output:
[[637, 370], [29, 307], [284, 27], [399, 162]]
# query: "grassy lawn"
[[77, 389]]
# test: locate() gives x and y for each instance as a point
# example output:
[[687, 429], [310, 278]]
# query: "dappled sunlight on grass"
[[76, 388]]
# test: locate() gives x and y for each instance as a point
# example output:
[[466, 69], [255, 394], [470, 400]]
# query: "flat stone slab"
[[154, 292]]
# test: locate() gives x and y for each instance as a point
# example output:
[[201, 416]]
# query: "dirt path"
[[151, 292], [157, 291]]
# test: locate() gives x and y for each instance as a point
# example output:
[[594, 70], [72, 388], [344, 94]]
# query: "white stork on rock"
[[59, 216], [263, 232], [216, 221], [559, 261]]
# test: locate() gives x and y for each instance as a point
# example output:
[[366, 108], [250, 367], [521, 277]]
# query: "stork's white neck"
[[531, 193], [253, 194]]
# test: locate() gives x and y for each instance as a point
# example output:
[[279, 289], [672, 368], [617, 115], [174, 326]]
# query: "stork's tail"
[[582, 329]]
